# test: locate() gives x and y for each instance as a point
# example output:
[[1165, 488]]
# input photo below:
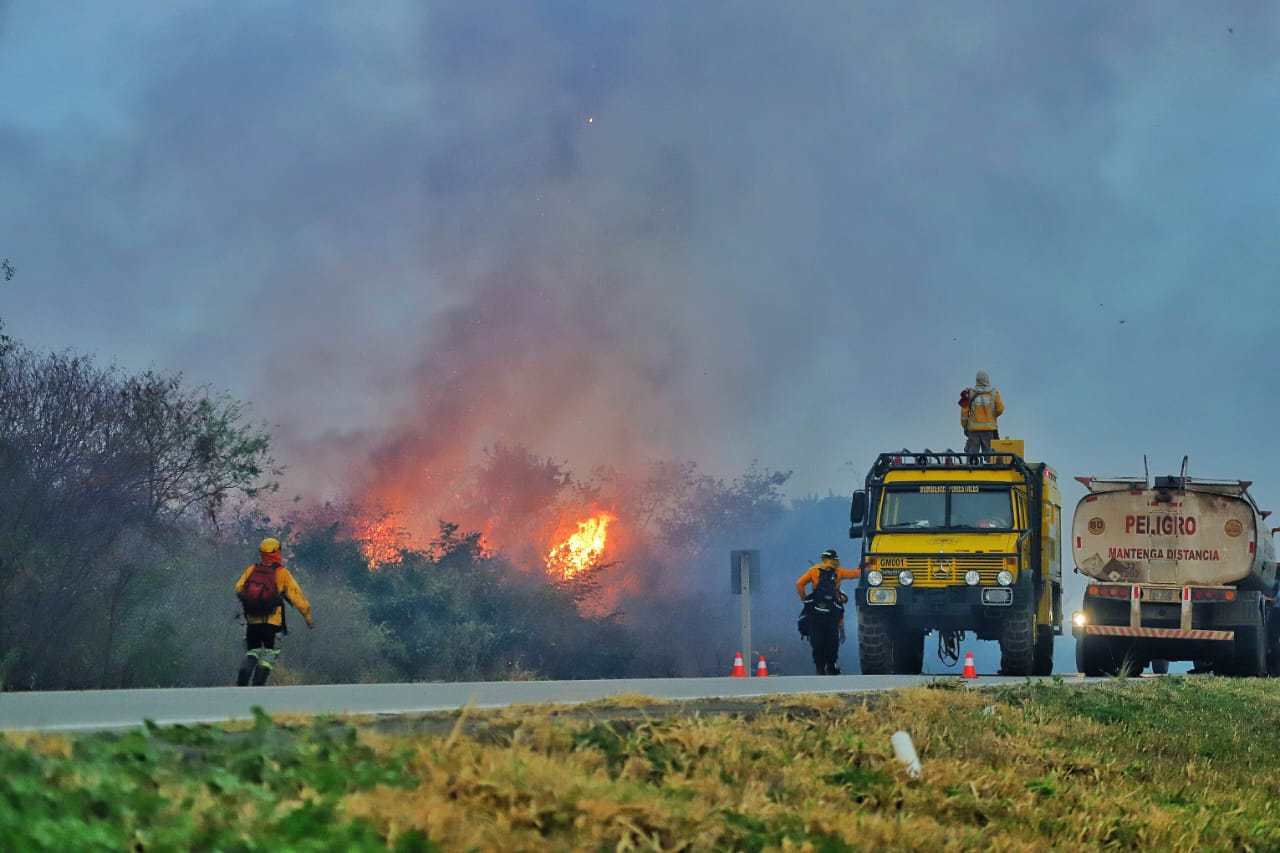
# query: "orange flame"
[[380, 541], [582, 550]]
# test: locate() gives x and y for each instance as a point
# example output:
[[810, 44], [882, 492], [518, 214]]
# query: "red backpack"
[[260, 593]]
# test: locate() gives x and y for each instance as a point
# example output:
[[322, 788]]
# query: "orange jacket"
[[288, 588], [984, 407], [811, 576]]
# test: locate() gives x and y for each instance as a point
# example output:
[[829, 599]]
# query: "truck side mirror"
[[855, 531], [858, 508]]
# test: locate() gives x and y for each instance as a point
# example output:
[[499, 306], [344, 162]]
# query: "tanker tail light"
[[1213, 595]]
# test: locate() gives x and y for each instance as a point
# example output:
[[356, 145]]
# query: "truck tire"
[[875, 642], [1250, 659], [1098, 656], [1160, 666], [1273, 643], [1088, 659], [1018, 640], [908, 652], [1043, 664]]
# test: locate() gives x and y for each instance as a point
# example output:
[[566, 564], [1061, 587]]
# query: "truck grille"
[[944, 570]]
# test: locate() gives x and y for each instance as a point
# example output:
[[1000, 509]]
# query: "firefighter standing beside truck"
[[262, 589], [823, 615]]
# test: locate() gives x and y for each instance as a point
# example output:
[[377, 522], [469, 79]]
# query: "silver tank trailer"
[[1181, 532]]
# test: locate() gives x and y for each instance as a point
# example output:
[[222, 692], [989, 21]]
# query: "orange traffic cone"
[[739, 670], [969, 671], [762, 671]]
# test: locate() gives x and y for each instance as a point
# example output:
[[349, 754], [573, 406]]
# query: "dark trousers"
[[824, 637], [260, 654], [978, 440]]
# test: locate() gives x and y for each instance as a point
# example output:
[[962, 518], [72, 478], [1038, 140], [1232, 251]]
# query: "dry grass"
[[1022, 769], [41, 742], [622, 700]]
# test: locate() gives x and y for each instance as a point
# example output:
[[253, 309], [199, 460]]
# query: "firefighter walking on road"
[[263, 589], [822, 619]]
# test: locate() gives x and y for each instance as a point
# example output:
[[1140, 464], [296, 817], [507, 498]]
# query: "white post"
[[905, 751]]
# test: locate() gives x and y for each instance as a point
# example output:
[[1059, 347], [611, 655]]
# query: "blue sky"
[[725, 231]]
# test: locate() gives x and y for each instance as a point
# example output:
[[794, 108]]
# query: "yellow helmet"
[[269, 545]]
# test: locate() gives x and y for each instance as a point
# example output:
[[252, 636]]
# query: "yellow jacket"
[[984, 407], [288, 588], [811, 576]]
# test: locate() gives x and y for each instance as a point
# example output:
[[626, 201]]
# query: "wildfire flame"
[[581, 550], [380, 541]]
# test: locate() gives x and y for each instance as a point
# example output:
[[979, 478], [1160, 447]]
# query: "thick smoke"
[[715, 231]]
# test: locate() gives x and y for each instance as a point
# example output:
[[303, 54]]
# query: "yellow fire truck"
[[955, 543]]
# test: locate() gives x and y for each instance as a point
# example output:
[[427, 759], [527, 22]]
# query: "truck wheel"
[[1273, 644], [1089, 657], [875, 642], [1044, 651], [1160, 666], [1018, 641], [1097, 656], [908, 652], [1250, 653]]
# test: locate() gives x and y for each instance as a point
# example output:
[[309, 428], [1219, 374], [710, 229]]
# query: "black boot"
[[260, 675], [821, 667], [246, 670]]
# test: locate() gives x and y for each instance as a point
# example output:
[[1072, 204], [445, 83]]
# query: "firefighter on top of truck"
[[980, 410]]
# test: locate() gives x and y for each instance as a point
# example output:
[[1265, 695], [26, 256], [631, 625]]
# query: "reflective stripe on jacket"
[[984, 407]]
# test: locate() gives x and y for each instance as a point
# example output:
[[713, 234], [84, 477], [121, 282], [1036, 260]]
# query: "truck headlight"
[[875, 577], [906, 577], [1004, 577], [971, 577], [882, 596], [1077, 619]]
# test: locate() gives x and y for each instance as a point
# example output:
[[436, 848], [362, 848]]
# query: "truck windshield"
[[954, 507], [989, 508], [904, 509]]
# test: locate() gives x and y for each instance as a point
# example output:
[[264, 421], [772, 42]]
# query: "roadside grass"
[[1172, 763]]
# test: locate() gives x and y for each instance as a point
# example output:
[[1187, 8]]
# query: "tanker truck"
[[1178, 569]]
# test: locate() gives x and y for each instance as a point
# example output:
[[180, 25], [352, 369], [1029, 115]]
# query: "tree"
[[189, 449], [98, 471], [5, 341]]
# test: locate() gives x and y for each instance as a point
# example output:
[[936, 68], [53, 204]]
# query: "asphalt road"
[[115, 709]]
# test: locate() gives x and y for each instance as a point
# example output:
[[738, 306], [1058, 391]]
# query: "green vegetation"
[[129, 505], [104, 478], [1177, 763]]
